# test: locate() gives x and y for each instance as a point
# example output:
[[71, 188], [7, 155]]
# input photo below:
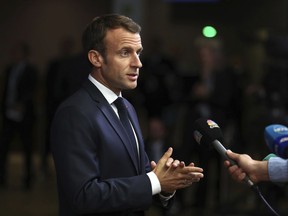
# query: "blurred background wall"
[[242, 25], [44, 23]]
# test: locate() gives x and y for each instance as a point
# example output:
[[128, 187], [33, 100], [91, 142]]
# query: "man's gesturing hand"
[[173, 174]]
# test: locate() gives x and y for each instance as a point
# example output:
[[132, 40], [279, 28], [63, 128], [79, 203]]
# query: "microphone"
[[276, 138], [206, 132]]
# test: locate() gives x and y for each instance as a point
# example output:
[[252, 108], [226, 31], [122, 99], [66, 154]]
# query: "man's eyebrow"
[[130, 48]]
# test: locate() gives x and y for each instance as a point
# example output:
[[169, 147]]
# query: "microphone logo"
[[280, 129], [212, 124], [284, 139]]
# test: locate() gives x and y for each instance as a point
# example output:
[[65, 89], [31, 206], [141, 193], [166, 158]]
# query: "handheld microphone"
[[276, 138], [206, 132]]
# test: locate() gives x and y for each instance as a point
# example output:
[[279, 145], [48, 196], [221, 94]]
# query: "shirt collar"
[[109, 95]]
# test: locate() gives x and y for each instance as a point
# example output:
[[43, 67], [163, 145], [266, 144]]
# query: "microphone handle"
[[222, 151]]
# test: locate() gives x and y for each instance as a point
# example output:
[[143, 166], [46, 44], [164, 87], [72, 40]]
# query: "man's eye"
[[124, 53]]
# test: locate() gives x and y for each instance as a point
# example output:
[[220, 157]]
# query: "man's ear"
[[95, 58]]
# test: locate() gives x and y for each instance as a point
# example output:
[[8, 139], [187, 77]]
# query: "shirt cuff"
[[278, 169], [156, 187]]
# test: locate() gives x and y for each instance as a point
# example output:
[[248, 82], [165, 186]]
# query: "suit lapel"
[[113, 119]]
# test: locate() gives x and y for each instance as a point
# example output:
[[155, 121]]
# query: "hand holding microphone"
[[276, 137], [241, 166], [256, 170]]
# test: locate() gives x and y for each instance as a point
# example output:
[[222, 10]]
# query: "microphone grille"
[[205, 131]]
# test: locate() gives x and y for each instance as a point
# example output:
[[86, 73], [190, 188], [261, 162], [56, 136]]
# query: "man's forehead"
[[122, 37]]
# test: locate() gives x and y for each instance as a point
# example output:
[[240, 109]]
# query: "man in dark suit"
[[17, 109], [98, 171]]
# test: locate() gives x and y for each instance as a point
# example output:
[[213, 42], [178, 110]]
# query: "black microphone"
[[206, 132]]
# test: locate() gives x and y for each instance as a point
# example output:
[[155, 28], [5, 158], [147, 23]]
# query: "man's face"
[[120, 70]]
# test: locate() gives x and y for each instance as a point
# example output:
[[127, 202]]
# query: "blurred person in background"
[[53, 92], [156, 142], [17, 110], [215, 92], [163, 88]]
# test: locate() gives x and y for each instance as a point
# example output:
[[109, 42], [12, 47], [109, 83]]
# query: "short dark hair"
[[95, 32]]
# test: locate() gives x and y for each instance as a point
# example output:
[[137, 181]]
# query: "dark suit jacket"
[[25, 90], [97, 173]]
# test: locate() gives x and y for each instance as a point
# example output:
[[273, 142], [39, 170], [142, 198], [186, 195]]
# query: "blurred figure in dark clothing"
[[161, 71], [275, 78], [52, 94], [215, 94], [64, 77], [156, 141], [17, 110], [72, 72]]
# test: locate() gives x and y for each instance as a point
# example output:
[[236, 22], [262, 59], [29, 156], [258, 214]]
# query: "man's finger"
[[232, 155], [166, 155], [169, 162], [153, 164], [175, 163]]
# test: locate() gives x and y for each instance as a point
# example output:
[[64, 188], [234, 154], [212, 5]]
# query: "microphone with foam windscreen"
[[276, 137], [206, 132]]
